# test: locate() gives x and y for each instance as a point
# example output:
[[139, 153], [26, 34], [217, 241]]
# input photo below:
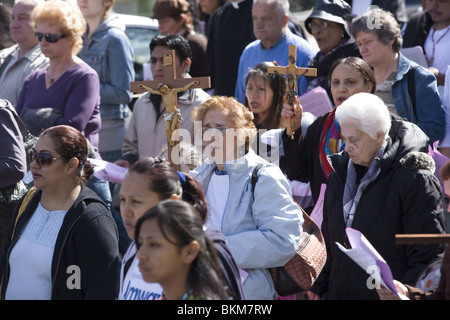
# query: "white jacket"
[[146, 133], [263, 228]]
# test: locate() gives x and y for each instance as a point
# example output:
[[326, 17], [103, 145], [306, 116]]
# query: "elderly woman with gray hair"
[[382, 185], [408, 89]]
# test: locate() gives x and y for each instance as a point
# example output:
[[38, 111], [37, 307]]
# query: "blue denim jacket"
[[430, 112], [109, 52]]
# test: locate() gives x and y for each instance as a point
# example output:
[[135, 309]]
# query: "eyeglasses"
[[222, 129], [49, 37], [43, 159], [322, 25]]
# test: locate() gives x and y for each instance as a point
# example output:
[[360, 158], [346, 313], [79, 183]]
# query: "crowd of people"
[[185, 221]]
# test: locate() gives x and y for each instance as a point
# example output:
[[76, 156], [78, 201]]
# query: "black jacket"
[[231, 31], [230, 270], [416, 30], [396, 7], [404, 198], [324, 64], [301, 157], [88, 239], [301, 154]]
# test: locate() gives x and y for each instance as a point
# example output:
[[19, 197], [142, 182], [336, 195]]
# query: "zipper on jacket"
[[226, 203]]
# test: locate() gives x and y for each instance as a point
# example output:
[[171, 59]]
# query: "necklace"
[[52, 78], [431, 60]]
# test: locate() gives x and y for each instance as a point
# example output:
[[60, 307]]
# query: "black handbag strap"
[[23, 128], [412, 88], [255, 176], [5, 62]]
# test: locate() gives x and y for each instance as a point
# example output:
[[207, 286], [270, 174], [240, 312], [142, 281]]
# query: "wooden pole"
[[431, 238], [292, 72], [172, 86]]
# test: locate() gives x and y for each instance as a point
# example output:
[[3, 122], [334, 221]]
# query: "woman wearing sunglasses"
[[64, 245], [67, 92]]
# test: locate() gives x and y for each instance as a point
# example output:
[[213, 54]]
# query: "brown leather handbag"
[[300, 273]]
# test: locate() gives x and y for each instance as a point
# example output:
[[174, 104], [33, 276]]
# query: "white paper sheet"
[[368, 258], [415, 54], [108, 171], [316, 101]]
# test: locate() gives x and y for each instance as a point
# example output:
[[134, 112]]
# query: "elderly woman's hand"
[[386, 294], [288, 113]]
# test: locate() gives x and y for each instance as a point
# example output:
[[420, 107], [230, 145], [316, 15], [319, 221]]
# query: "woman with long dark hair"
[[147, 182], [174, 251]]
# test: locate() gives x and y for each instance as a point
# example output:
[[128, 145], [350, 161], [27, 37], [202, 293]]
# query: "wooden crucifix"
[[292, 72], [168, 91]]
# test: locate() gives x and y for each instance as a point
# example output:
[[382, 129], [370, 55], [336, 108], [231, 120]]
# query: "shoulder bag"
[[300, 273]]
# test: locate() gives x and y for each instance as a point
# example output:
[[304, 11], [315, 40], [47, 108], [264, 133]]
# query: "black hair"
[[278, 83], [71, 143], [359, 65], [174, 42], [164, 180], [184, 224], [5, 19]]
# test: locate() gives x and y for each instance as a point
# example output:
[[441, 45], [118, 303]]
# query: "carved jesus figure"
[[172, 116]]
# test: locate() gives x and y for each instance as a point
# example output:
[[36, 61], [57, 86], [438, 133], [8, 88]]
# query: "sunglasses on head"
[[49, 37], [43, 159]]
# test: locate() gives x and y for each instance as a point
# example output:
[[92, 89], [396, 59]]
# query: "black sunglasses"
[[49, 37], [43, 159]]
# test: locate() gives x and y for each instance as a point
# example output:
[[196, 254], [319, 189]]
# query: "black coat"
[[406, 197], [88, 238], [230, 270], [417, 29], [324, 64], [231, 31], [301, 154], [301, 157], [396, 7]]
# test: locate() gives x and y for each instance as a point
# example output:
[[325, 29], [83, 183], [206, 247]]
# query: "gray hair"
[[367, 112], [382, 23], [282, 6], [29, 2]]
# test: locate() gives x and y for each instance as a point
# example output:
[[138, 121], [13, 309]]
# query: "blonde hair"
[[109, 9], [240, 117], [66, 15]]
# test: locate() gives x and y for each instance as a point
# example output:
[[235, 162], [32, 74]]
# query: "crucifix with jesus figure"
[[293, 73], [168, 91]]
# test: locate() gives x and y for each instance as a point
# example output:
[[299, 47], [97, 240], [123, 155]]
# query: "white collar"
[[236, 4]]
